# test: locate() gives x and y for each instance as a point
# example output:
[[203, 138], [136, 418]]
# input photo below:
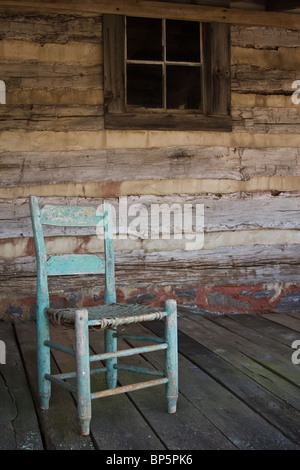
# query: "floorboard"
[[239, 390]]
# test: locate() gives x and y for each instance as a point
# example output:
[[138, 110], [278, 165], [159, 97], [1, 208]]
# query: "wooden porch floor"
[[238, 390]]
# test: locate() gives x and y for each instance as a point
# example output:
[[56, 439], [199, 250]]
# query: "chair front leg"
[[83, 370], [171, 355], [111, 375], [43, 358]]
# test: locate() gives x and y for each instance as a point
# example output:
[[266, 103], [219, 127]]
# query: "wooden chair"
[[107, 317]]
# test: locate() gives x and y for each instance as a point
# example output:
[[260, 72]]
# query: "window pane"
[[183, 87], [144, 85], [144, 39], [183, 41]]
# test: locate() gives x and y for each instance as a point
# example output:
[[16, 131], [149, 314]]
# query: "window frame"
[[216, 84]]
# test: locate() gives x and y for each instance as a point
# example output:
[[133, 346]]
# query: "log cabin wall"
[[54, 145]]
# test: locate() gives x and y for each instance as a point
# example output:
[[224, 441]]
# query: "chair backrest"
[[70, 264]]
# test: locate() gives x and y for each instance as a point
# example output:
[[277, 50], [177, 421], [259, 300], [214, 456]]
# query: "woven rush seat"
[[109, 315]]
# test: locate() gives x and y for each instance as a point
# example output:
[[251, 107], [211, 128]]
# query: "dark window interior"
[[163, 68], [183, 41], [144, 85], [183, 87], [144, 39]]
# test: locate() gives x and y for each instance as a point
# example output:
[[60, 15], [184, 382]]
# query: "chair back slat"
[[74, 264], [70, 216]]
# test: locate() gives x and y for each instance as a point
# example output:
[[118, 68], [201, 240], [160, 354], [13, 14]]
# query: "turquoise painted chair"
[[107, 317]]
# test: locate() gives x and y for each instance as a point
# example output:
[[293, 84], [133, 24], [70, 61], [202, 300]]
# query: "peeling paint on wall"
[[258, 299]]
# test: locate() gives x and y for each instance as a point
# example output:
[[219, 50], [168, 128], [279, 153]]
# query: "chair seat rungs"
[[128, 352], [61, 383], [152, 339], [140, 370], [60, 347], [72, 375], [128, 388]]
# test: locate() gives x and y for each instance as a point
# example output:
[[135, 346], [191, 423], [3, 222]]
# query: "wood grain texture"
[[227, 213], [112, 165]]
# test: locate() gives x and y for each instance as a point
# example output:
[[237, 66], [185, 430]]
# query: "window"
[[166, 74]]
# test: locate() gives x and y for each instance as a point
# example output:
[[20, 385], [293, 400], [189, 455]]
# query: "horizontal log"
[[161, 10], [252, 79], [283, 58], [160, 163], [54, 118], [227, 213], [123, 164], [264, 38], [21, 247], [38, 75], [82, 117], [259, 119], [55, 29], [225, 266]]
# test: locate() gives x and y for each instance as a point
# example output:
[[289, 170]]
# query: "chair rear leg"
[[83, 370], [111, 376], [171, 355], [43, 359]]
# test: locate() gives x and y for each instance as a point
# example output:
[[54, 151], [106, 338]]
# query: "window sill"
[[168, 121]]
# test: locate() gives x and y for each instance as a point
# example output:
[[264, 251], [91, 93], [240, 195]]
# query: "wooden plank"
[[218, 404], [167, 122], [266, 119], [251, 79], [270, 407], [262, 338], [19, 428], [219, 259], [294, 314], [230, 266], [115, 424], [267, 328], [70, 216], [51, 118], [32, 75], [285, 320], [112, 165], [270, 354], [224, 348], [164, 10], [60, 428], [263, 38], [74, 264], [114, 79], [229, 213], [55, 29], [188, 428]]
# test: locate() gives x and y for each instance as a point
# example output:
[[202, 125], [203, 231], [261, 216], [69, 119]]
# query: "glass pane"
[[183, 87], [144, 39], [183, 41], [144, 85]]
